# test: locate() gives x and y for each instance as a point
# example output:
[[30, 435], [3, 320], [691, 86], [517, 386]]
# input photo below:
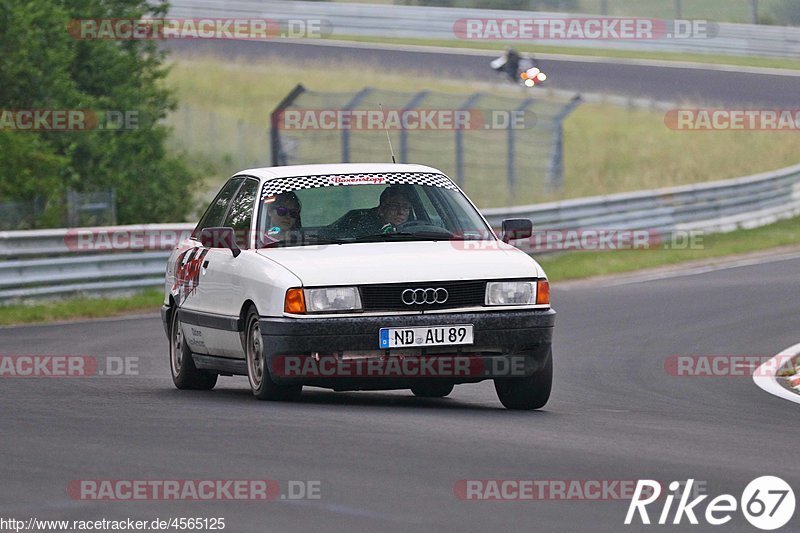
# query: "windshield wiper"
[[427, 235], [306, 240]]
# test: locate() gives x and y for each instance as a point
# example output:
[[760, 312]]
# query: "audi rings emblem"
[[424, 296]]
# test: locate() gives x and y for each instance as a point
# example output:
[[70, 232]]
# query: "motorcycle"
[[521, 69]]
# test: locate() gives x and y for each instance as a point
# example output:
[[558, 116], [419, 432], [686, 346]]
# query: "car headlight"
[[332, 299], [511, 293]]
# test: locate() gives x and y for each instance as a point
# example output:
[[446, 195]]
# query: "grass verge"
[[223, 126], [574, 265], [83, 307], [585, 264]]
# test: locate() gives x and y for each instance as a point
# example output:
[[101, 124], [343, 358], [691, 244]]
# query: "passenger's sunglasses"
[[283, 211]]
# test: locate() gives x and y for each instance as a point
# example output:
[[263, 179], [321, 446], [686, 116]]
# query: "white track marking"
[[770, 383]]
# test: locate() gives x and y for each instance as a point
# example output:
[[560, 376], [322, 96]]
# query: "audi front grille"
[[389, 297]]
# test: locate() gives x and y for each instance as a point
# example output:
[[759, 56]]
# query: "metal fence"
[[69, 268], [21, 215], [475, 138], [423, 22], [79, 209], [213, 136]]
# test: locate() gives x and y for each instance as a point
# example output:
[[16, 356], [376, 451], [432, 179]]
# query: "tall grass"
[[223, 125]]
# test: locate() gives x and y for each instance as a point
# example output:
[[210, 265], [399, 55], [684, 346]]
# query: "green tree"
[[43, 67]]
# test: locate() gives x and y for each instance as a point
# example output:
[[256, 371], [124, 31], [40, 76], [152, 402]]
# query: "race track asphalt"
[[388, 461], [670, 84]]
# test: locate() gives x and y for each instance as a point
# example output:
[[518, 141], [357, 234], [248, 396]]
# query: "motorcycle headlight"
[[511, 293], [332, 299]]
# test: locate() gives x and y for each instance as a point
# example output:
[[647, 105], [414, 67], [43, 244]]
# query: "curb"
[[770, 383]]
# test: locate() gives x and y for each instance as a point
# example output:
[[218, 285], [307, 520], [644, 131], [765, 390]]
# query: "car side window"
[[240, 214], [215, 213]]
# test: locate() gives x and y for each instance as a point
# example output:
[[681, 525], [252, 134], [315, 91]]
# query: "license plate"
[[425, 336]]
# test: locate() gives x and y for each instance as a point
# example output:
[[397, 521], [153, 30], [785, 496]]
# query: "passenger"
[[284, 215]]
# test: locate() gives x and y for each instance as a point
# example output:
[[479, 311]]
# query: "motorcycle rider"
[[511, 67]]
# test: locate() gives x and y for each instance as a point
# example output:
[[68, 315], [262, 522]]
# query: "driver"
[[394, 209]]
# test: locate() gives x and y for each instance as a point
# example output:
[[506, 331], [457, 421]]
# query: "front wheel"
[[530, 392], [185, 375], [258, 375]]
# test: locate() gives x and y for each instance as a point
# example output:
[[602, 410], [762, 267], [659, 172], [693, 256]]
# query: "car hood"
[[396, 262]]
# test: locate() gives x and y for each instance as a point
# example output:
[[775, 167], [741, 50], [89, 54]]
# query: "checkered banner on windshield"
[[280, 185]]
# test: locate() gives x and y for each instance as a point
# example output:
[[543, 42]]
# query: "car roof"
[[268, 173]]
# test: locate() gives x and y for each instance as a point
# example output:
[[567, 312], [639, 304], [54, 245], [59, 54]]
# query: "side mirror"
[[220, 238], [516, 228]]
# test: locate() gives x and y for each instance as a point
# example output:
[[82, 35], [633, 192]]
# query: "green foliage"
[[43, 67]]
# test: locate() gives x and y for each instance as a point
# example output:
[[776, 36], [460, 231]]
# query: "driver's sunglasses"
[[283, 211]]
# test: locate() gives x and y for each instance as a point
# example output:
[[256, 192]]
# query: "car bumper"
[[165, 318], [343, 353]]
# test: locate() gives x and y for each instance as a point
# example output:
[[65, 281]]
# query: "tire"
[[531, 392], [185, 375], [258, 374], [433, 390]]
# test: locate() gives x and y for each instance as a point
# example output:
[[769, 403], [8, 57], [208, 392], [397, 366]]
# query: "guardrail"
[[125, 258], [368, 20], [718, 206], [57, 262]]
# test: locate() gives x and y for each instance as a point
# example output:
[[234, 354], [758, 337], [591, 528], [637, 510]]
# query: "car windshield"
[[367, 212]]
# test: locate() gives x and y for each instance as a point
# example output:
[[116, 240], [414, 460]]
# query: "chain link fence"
[[219, 138], [79, 209], [501, 150]]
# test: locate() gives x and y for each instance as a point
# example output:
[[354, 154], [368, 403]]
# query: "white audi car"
[[356, 277]]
